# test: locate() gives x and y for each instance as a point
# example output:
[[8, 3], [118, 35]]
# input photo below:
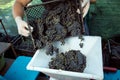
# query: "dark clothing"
[[50, 5], [45, 0]]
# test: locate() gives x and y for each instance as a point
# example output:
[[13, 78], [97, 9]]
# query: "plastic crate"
[[18, 70]]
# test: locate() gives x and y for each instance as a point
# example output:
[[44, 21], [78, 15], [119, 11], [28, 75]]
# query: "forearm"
[[18, 7], [18, 11]]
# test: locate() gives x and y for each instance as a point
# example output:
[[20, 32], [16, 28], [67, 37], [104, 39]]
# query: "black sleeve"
[[45, 0]]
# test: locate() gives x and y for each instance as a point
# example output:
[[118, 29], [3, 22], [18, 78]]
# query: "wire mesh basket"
[[35, 12]]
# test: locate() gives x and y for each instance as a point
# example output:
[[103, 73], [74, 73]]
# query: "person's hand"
[[22, 26], [85, 7]]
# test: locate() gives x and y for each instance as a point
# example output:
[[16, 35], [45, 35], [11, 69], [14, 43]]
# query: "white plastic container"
[[91, 49]]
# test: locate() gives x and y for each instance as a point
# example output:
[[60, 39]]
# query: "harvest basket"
[[35, 12]]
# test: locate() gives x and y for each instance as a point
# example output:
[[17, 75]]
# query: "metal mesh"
[[34, 12]]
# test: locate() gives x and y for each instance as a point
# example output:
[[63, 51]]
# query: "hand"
[[85, 9], [22, 26]]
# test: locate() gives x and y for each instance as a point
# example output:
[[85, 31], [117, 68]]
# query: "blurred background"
[[7, 18]]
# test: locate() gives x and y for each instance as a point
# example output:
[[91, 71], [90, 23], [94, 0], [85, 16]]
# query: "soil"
[[72, 60]]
